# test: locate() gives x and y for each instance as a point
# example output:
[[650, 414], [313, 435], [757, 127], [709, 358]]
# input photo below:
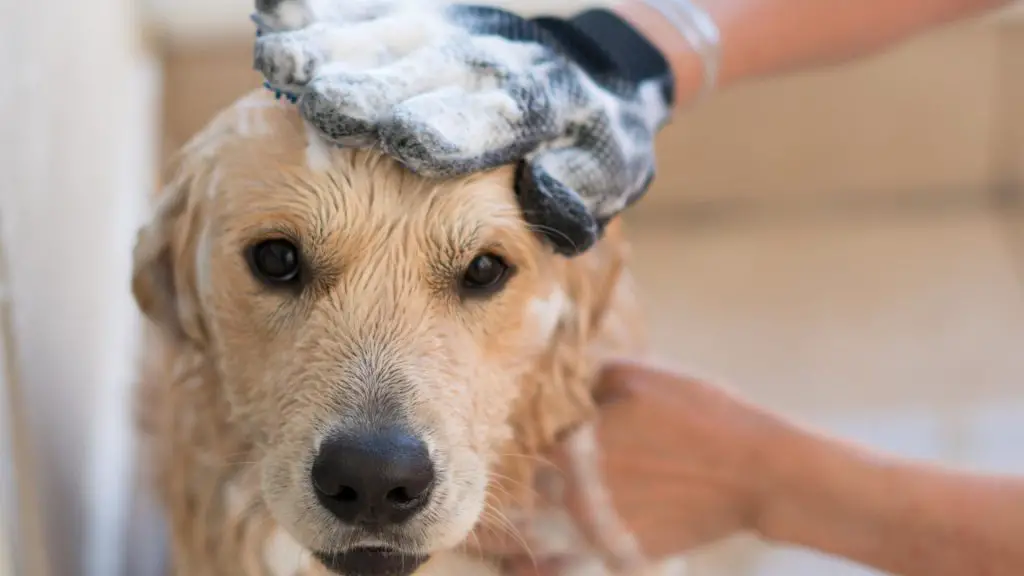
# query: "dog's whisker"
[[536, 458], [511, 530], [519, 499]]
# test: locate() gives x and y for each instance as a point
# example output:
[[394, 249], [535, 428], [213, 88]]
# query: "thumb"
[[553, 205]]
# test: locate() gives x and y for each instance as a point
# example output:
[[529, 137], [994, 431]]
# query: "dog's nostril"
[[400, 496], [347, 494], [378, 478]]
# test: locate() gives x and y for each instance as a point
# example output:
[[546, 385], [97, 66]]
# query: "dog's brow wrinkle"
[[335, 177]]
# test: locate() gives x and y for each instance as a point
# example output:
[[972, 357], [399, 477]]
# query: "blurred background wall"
[[79, 141], [845, 246]]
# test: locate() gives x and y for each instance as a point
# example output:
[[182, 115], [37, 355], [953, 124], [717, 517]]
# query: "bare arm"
[[906, 518], [686, 463], [765, 37]]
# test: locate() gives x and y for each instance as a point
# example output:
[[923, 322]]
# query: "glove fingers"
[[570, 194], [280, 15], [454, 131], [289, 60], [349, 106], [610, 163], [552, 207], [327, 106], [275, 15]]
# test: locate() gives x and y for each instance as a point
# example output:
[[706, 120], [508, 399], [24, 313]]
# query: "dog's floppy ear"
[[164, 259]]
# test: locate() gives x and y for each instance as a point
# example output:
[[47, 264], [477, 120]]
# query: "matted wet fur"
[[240, 383]]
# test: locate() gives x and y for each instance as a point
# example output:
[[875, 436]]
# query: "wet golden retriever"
[[351, 369]]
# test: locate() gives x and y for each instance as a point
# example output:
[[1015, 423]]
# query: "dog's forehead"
[[362, 190], [268, 164]]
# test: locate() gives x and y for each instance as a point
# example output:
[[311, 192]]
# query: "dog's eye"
[[485, 275], [275, 261]]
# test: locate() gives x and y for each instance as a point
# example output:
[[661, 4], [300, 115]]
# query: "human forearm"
[[906, 518], [764, 37]]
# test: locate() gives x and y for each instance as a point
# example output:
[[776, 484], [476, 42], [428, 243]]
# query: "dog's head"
[[371, 328]]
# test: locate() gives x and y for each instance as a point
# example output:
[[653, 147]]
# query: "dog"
[[351, 369]]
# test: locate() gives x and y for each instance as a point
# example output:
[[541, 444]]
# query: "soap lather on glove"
[[451, 89]]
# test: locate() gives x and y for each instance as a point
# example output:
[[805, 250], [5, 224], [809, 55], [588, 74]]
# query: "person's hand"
[[680, 462], [452, 89]]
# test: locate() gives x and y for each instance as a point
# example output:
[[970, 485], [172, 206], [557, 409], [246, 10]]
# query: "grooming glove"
[[452, 89]]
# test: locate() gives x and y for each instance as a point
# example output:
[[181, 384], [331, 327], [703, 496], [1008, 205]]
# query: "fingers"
[[624, 376], [614, 384], [625, 379], [290, 60]]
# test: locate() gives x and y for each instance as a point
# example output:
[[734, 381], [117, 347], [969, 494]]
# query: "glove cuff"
[[611, 51]]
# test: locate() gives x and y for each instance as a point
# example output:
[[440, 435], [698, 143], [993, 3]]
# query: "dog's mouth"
[[371, 561]]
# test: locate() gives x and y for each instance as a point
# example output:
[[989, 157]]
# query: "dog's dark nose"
[[375, 478]]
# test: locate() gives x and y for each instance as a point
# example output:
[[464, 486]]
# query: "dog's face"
[[370, 328]]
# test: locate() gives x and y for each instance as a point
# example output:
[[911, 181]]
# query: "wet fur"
[[228, 386]]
